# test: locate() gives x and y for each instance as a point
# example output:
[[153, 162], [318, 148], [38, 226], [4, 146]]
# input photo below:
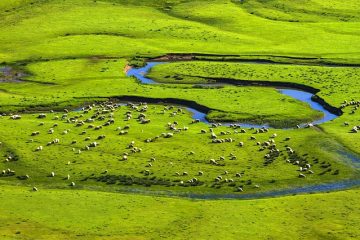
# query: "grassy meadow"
[[78, 214], [103, 174]]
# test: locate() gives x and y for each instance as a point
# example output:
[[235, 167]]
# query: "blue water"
[[294, 93], [140, 74], [326, 187], [306, 97]]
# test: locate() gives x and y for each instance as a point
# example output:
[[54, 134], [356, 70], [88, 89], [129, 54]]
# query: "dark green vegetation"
[[66, 54]]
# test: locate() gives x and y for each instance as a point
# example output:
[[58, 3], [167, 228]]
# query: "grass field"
[[67, 54], [100, 215], [172, 154]]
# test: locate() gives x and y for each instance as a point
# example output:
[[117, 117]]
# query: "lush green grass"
[[117, 27], [91, 78], [336, 84], [99, 215], [172, 154], [75, 51]]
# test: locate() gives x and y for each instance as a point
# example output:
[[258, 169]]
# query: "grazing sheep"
[[35, 189], [241, 144], [212, 161], [101, 137], [185, 174], [195, 121], [302, 175], [238, 175], [98, 127], [40, 148], [93, 144], [213, 135], [15, 117], [218, 141], [168, 135], [42, 115], [200, 173], [72, 184], [354, 129], [145, 121], [52, 174]]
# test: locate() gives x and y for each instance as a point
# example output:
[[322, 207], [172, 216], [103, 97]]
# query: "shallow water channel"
[[299, 94]]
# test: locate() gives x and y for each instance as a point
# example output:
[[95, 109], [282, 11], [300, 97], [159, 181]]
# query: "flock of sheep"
[[355, 106], [105, 112]]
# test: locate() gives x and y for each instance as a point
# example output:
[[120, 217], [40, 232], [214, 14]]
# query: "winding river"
[[299, 94]]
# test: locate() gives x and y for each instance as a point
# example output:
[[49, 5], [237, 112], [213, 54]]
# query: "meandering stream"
[[299, 94]]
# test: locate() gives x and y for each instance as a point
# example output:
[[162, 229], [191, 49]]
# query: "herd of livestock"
[[95, 117]]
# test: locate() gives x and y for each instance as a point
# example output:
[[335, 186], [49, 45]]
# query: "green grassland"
[[80, 214], [172, 154], [336, 84], [74, 28], [66, 54], [93, 78]]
